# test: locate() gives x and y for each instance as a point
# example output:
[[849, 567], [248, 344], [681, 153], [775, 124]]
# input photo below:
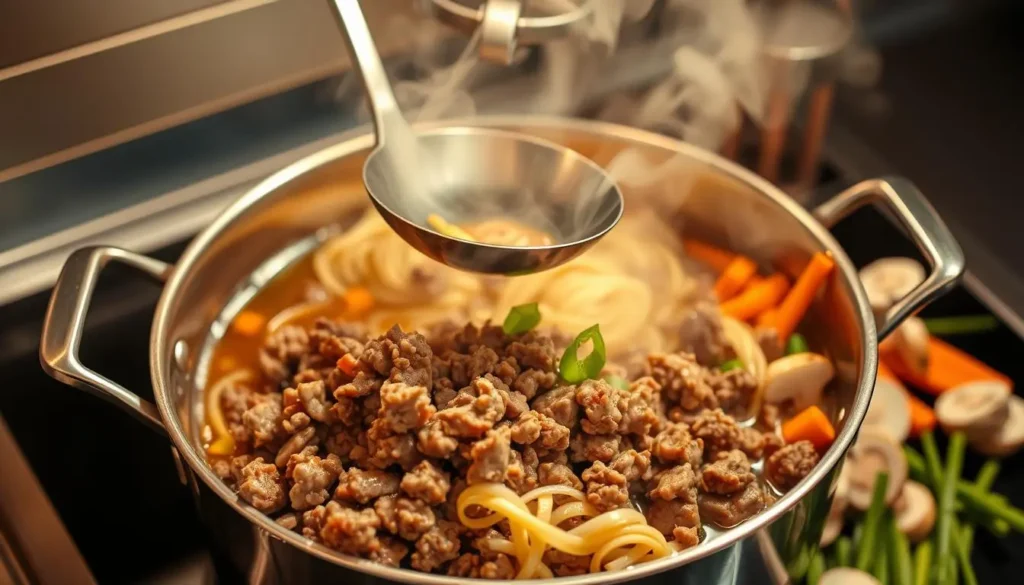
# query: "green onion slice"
[[573, 369], [521, 319], [796, 344], [961, 325], [733, 364], [617, 381]]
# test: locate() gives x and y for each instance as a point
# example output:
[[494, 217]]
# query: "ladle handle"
[[387, 116], [927, 229]]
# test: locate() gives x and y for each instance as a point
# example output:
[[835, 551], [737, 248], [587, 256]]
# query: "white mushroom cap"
[[837, 513], [911, 342], [847, 576], [889, 411], [800, 377], [887, 280], [1009, 438], [873, 453], [915, 511], [975, 407]]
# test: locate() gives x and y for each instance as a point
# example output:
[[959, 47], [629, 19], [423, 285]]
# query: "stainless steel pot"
[[284, 216]]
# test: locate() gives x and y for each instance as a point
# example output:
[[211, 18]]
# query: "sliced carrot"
[[249, 323], [922, 417], [735, 276], [757, 298], [948, 367], [812, 425], [767, 318], [793, 308], [347, 363], [358, 301], [716, 258]]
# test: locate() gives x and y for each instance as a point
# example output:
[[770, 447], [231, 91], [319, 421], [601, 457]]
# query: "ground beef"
[[701, 334], [477, 567], [586, 447], [606, 487], [310, 479], [728, 510], [521, 473], [350, 531], [600, 401], [566, 565], [675, 444], [534, 351], [298, 442], [313, 396], [262, 486], [641, 408], [676, 519], [727, 474], [718, 431], [682, 381], [466, 367], [428, 482], [405, 407], [530, 382], [437, 546], [490, 457], [558, 474], [289, 521], [263, 420], [483, 407], [559, 404], [282, 351], [408, 518], [771, 345], [633, 465], [313, 522], [363, 486], [387, 448], [735, 391], [391, 552], [540, 430], [677, 482], [790, 464], [432, 440]]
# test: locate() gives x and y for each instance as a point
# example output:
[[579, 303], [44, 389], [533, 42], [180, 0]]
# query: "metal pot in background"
[[285, 216]]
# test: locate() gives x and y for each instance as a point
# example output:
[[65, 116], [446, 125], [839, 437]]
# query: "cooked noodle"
[[222, 442], [615, 539]]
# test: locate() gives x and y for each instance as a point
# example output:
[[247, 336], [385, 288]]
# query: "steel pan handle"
[[927, 229], [65, 322]]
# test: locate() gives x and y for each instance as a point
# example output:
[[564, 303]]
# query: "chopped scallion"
[[521, 319], [961, 325], [733, 364], [617, 381], [575, 370], [796, 344]]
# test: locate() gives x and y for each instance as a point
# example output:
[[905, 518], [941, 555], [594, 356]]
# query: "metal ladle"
[[466, 174]]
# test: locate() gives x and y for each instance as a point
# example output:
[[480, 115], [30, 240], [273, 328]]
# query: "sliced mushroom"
[[837, 513], [1009, 437], [975, 407], [915, 511], [887, 280], [911, 343], [873, 453], [846, 576], [889, 411], [800, 377]]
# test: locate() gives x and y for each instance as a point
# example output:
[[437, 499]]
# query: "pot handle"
[[927, 229], [65, 321]]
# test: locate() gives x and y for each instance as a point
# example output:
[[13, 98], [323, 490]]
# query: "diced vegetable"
[[812, 425], [347, 364], [735, 276], [358, 301], [945, 523], [249, 323], [873, 536], [800, 377], [733, 364], [767, 318], [441, 226], [795, 305], [574, 370], [875, 452], [796, 344], [961, 325], [757, 298], [521, 319], [714, 257], [948, 367]]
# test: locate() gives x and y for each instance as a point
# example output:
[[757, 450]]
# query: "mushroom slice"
[[915, 511], [911, 342], [840, 501], [889, 411], [1009, 437], [887, 280], [846, 576], [800, 377], [975, 407], [873, 453]]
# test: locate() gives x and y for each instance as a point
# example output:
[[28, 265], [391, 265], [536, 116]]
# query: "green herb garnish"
[[796, 344], [573, 369], [617, 381], [733, 364], [962, 325], [521, 319]]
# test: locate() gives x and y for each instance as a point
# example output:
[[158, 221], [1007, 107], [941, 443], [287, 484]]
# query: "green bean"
[[844, 547], [815, 569], [961, 324], [946, 520], [987, 475], [881, 568], [963, 556], [858, 536], [901, 569], [872, 524], [933, 463], [922, 562]]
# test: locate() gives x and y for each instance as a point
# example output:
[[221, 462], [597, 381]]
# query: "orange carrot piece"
[[812, 425], [358, 301], [735, 276], [767, 318], [793, 308], [922, 417], [716, 258], [757, 298], [948, 367], [249, 323], [347, 364]]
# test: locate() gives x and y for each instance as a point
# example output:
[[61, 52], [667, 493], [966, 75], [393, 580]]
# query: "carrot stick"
[[767, 318], [716, 258], [948, 367], [922, 417], [757, 298], [812, 425], [249, 323], [793, 308], [735, 276]]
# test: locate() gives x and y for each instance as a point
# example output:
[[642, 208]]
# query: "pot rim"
[[363, 140]]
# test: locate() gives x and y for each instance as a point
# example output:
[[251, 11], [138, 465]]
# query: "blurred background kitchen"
[[134, 123]]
